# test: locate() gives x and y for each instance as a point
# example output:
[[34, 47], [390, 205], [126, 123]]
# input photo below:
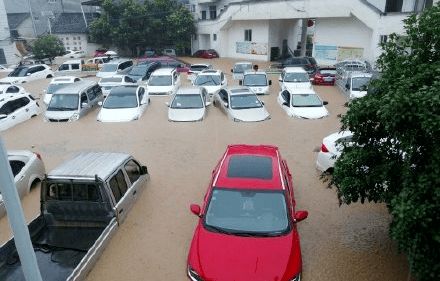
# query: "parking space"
[[338, 243]]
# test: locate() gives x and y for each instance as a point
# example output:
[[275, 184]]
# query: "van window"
[[63, 67], [83, 99], [91, 94], [133, 171], [75, 66]]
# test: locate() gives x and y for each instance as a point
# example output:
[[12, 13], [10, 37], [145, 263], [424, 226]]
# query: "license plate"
[[328, 79]]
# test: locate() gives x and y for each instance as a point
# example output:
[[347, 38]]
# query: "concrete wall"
[[25, 29], [80, 43]]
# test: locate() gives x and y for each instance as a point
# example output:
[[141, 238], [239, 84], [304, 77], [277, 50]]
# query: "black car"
[[308, 63], [142, 72]]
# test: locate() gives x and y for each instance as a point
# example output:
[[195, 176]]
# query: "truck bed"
[[58, 250]]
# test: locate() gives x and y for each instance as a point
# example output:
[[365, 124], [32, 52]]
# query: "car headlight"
[[74, 117], [296, 278], [193, 275]]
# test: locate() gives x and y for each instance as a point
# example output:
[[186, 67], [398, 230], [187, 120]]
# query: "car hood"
[[297, 85], [259, 89], [189, 114], [227, 257], [135, 77], [101, 74], [12, 79], [118, 115], [57, 115], [159, 90], [250, 115], [309, 112], [357, 94]]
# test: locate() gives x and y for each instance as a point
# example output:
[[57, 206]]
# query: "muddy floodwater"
[[338, 243]]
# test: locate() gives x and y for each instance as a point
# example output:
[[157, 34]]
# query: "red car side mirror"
[[301, 215], [195, 209]]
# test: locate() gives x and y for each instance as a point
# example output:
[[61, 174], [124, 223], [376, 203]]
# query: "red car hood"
[[221, 257]]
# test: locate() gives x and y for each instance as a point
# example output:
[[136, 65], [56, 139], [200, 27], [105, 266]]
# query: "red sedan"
[[324, 76], [247, 227], [206, 54]]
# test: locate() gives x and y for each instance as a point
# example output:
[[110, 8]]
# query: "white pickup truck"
[[83, 202]]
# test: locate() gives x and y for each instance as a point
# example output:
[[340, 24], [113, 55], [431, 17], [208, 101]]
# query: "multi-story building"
[[342, 28]]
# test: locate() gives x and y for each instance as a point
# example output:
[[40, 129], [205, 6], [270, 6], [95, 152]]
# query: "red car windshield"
[[247, 212]]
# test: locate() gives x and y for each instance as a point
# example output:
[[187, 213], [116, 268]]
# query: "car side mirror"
[[28, 74], [285, 103], [144, 170], [325, 103], [301, 215], [240, 82], [100, 103], [280, 79], [225, 104], [347, 86], [270, 82], [167, 104], [3, 116], [262, 102], [232, 71], [195, 209], [208, 103], [44, 91], [143, 102], [84, 104]]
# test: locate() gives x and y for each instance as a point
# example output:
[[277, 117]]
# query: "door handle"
[[134, 192], [120, 211]]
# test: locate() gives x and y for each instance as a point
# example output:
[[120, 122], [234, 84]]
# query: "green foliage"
[[47, 46], [396, 158], [156, 24]]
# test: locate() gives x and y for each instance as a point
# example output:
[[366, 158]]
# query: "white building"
[[343, 28], [8, 51]]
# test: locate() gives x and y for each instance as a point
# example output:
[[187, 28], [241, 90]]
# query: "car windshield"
[[63, 102], [109, 67], [207, 80], [138, 70], [111, 80], [306, 100], [360, 83], [160, 80], [245, 101], [126, 100], [255, 80], [240, 68], [187, 101], [328, 71], [53, 87], [247, 212], [296, 77], [18, 72], [198, 67]]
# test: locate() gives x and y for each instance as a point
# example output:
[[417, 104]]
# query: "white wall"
[[344, 32], [9, 49], [25, 29]]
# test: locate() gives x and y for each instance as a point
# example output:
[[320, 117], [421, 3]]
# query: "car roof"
[[124, 90], [89, 165], [243, 62], [163, 71], [72, 61], [75, 88], [188, 91], [250, 167], [201, 64], [117, 61], [63, 79], [210, 72], [294, 69], [300, 90], [240, 90], [247, 72]]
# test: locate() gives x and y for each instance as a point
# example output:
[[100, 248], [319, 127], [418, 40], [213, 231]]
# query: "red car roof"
[[250, 167]]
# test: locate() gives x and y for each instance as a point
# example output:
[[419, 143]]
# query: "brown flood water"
[[338, 243]]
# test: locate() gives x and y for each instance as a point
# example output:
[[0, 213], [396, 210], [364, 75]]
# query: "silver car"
[[28, 169]]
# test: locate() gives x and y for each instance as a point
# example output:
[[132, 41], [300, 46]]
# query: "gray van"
[[71, 102]]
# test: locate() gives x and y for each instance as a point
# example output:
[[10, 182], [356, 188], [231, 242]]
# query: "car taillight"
[[324, 148], [318, 76], [38, 155]]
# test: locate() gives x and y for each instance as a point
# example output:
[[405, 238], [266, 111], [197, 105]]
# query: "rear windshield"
[[250, 166], [328, 71], [72, 191], [111, 79]]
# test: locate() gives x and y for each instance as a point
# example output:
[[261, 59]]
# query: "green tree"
[[130, 25], [47, 46], [396, 156]]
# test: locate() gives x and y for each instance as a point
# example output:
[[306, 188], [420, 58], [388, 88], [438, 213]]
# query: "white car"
[[188, 104], [123, 104], [163, 81], [294, 77], [115, 67], [57, 83], [108, 83], [23, 74], [9, 89], [356, 84], [241, 105], [211, 80], [302, 103], [74, 54], [240, 68], [331, 149], [257, 82], [17, 108], [195, 69], [27, 169]]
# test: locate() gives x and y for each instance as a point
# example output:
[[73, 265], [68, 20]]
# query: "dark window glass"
[[13, 89], [115, 189], [86, 192], [133, 171], [6, 108], [245, 166], [16, 166], [121, 182], [83, 98]]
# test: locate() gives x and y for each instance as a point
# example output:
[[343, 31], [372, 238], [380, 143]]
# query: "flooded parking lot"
[[338, 243]]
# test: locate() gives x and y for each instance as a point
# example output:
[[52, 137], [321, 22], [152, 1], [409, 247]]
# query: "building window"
[[68, 48], [214, 37], [383, 39], [203, 15], [248, 35], [195, 37], [212, 12], [67, 38], [193, 8], [36, 18]]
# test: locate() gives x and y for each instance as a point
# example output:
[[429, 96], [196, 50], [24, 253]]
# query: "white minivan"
[[163, 81], [73, 101], [114, 67]]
